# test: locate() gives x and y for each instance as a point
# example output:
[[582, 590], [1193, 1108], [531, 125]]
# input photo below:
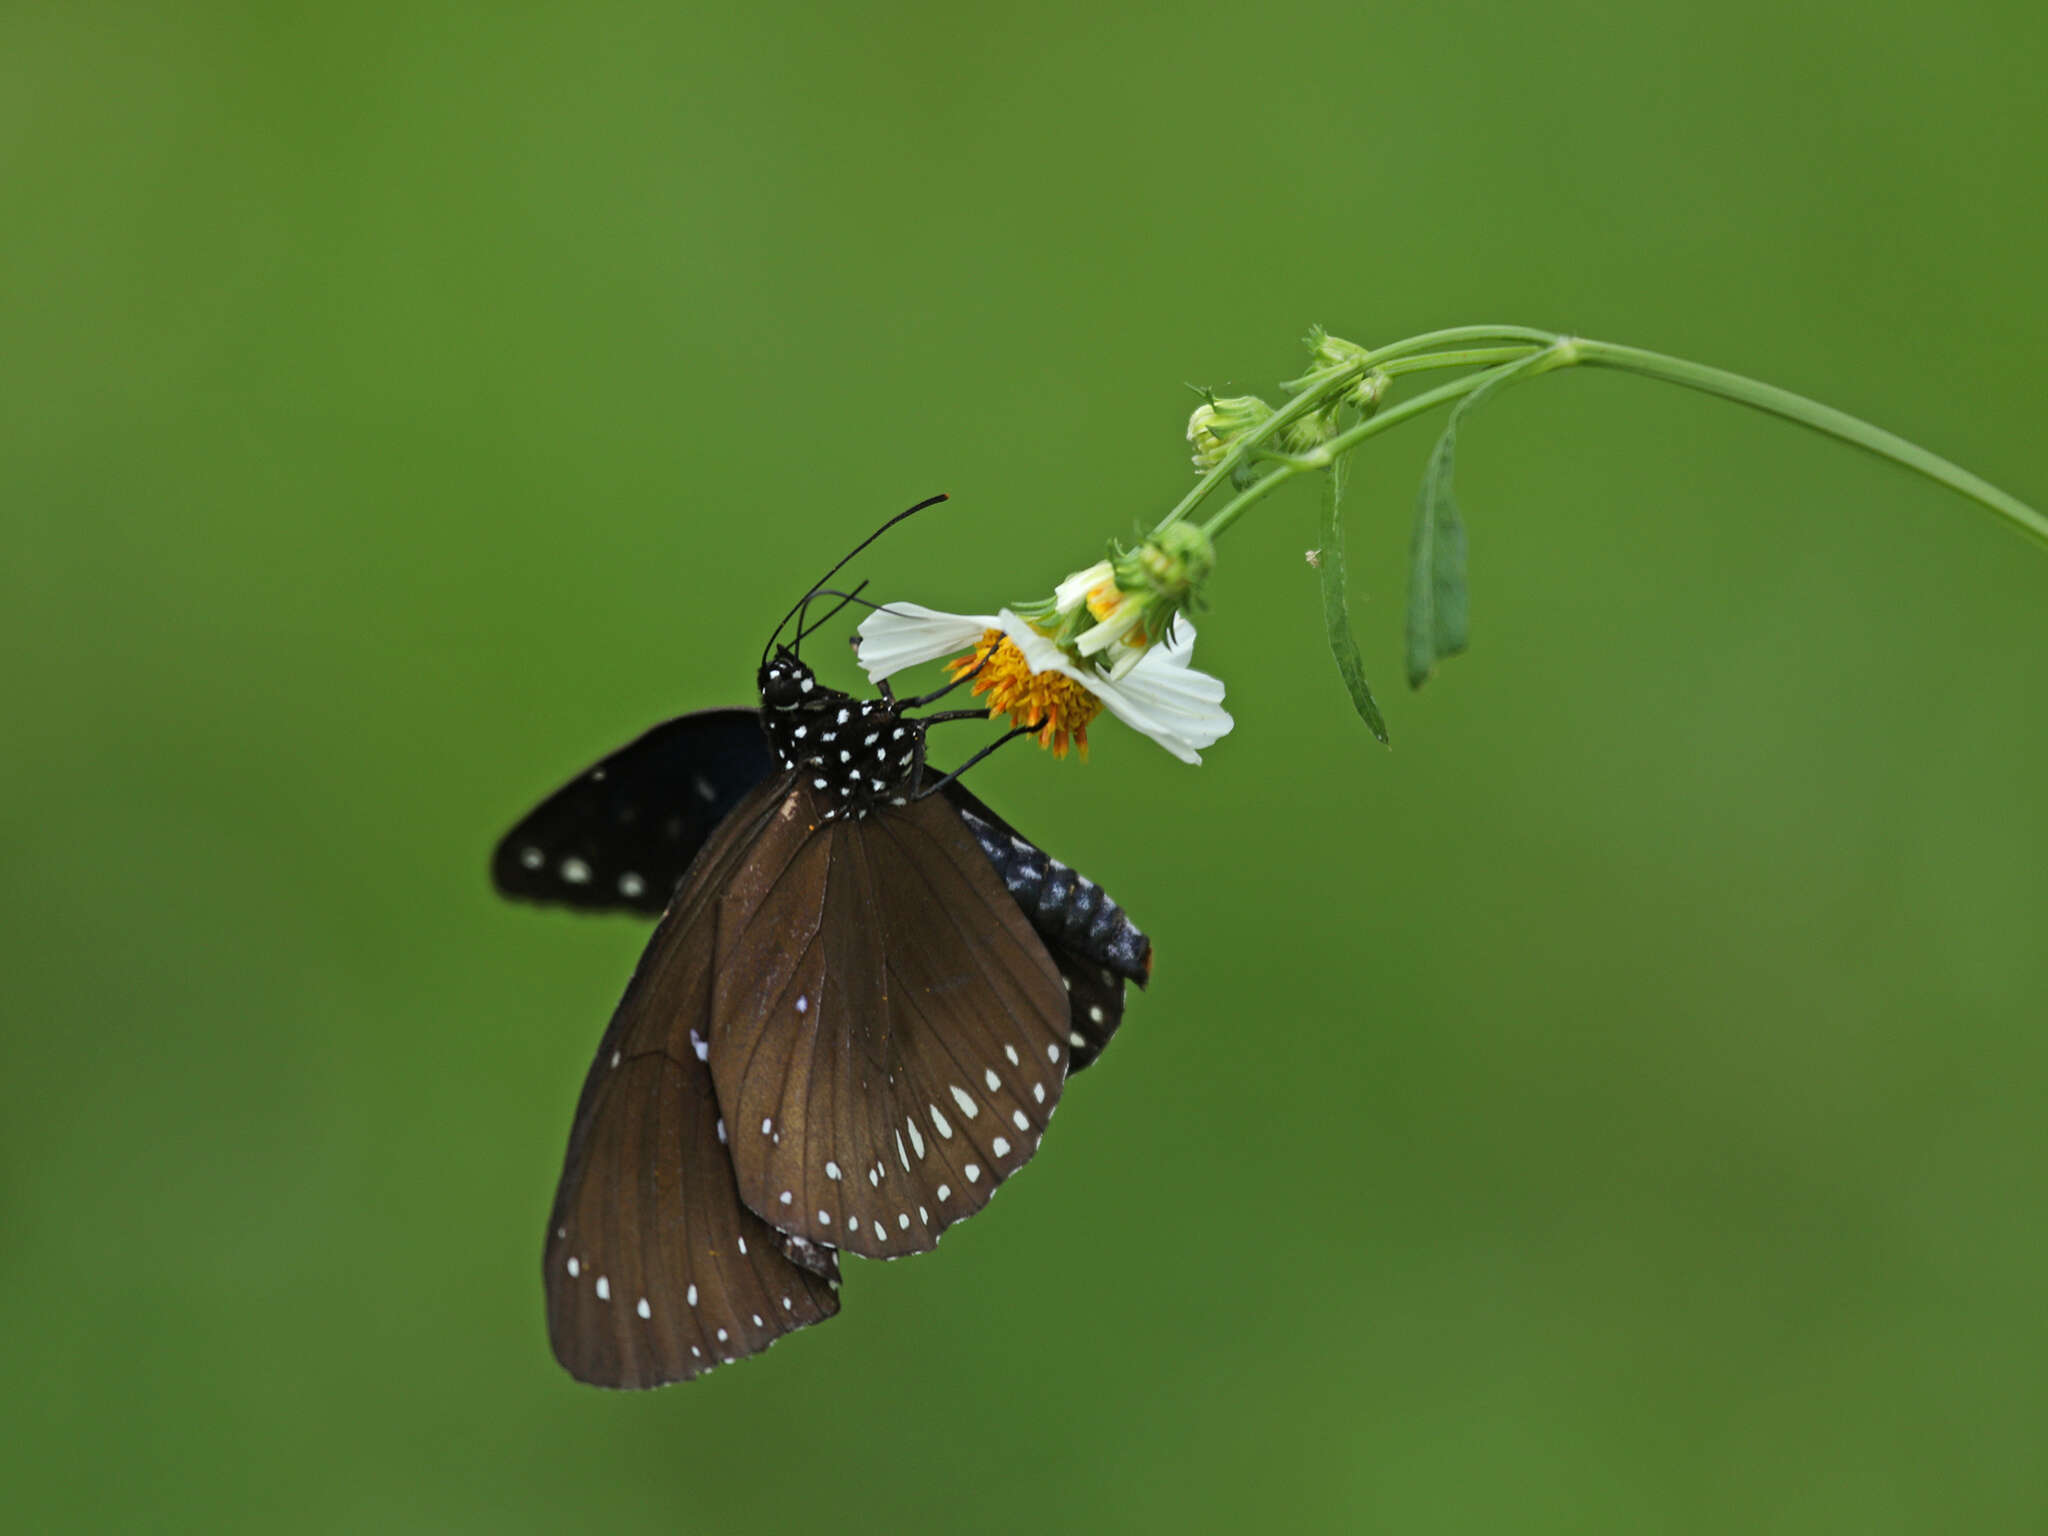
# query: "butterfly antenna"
[[806, 629], [798, 607]]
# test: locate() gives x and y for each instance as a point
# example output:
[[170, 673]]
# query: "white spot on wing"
[[575, 871], [939, 1122], [604, 1289], [1017, 1119], [966, 1104], [1000, 1147], [692, 1297], [1011, 1052], [973, 1172], [644, 1309], [995, 1084]]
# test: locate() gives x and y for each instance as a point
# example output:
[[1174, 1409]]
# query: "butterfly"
[[852, 1024]]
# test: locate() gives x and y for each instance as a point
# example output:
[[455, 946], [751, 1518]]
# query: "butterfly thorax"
[[857, 753]]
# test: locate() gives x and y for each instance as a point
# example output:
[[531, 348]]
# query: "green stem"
[[1458, 335], [1478, 357], [1811, 413]]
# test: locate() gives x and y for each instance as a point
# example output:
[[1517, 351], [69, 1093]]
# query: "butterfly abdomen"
[[1065, 906]]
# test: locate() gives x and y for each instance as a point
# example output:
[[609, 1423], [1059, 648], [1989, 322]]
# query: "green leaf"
[[1439, 605], [1336, 611]]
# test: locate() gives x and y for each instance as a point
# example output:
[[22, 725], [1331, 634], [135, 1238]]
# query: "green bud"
[[1310, 431], [1216, 426], [1365, 396], [1329, 358], [1328, 354], [1174, 562]]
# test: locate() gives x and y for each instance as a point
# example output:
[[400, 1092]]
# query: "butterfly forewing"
[[654, 1269], [619, 835], [889, 1036]]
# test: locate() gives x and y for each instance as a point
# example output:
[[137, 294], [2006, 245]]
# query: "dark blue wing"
[[618, 836]]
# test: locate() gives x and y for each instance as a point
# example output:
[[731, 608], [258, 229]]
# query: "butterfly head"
[[786, 682]]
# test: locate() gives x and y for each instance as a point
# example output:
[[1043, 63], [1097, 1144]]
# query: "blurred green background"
[[1618, 1107]]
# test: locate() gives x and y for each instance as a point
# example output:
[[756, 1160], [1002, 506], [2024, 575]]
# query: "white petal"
[[1073, 592], [1176, 706], [1110, 630], [1163, 697], [904, 635]]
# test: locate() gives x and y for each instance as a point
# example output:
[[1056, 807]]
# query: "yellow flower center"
[[1054, 703]]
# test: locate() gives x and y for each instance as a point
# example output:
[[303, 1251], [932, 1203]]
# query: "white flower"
[[1162, 696]]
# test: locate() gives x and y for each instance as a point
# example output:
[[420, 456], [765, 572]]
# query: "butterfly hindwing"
[[619, 835], [1095, 945], [654, 1269]]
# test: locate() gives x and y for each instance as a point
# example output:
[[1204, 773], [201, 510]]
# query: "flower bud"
[[1305, 433], [1331, 354], [1328, 357], [1175, 561], [1365, 396], [1216, 426]]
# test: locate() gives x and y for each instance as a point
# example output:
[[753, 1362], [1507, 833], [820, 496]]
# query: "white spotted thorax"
[[857, 753]]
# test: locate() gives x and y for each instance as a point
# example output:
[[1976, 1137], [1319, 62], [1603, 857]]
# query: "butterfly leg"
[[939, 693], [1002, 740]]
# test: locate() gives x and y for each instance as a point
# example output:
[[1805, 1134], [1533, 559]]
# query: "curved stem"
[[1478, 357], [1839, 425], [1515, 347], [1457, 335]]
